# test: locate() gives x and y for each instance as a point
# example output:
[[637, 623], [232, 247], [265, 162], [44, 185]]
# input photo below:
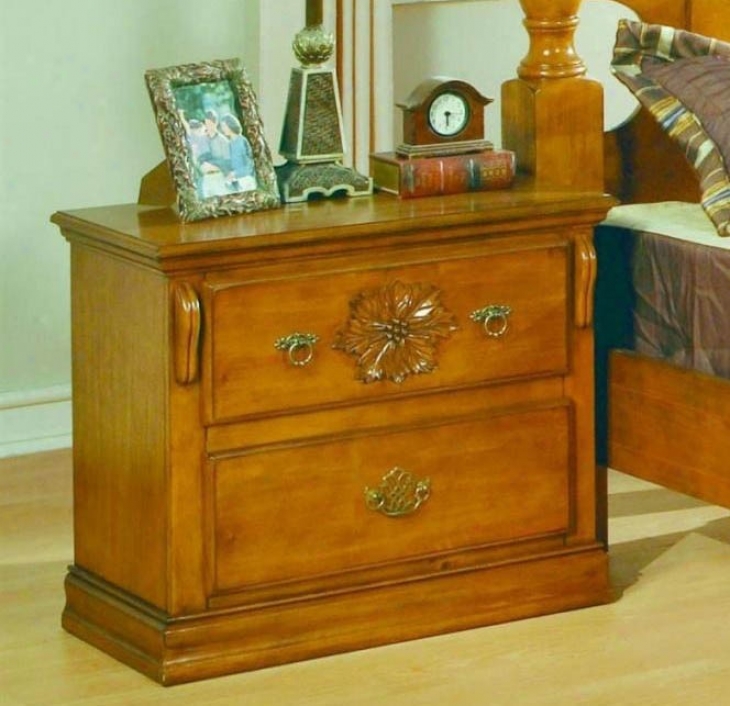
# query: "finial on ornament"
[[313, 46]]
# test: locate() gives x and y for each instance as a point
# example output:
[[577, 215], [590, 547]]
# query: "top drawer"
[[282, 344]]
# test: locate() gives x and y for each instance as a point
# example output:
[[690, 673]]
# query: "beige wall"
[[76, 130]]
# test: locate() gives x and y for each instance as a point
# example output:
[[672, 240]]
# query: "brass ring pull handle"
[[398, 494], [494, 318], [299, 347]]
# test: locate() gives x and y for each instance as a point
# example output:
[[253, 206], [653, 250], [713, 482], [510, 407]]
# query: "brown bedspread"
[[681, 307]]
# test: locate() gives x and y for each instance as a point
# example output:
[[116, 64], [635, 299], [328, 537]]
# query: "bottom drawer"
[[290, 514]]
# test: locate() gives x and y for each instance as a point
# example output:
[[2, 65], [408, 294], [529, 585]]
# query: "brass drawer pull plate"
[[494, 318], [299, 347], [398, 494]]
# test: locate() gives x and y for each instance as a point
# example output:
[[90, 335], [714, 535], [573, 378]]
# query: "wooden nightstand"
[[331, 426]]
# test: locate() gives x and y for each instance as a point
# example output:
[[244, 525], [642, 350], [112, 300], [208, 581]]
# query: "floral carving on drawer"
[[394, 330]]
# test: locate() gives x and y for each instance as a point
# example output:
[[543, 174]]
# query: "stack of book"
[[411, 177]]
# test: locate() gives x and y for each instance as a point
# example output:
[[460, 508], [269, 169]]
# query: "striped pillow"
[[683, 79]]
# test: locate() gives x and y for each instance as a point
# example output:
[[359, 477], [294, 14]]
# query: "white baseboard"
[[35, 420]]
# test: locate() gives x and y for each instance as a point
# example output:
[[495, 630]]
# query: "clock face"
[[448, 114]]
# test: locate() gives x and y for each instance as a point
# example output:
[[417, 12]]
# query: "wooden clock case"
[[416, 129]]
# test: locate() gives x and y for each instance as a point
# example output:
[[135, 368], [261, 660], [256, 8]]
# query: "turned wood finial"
[[551, 92], [551, 26]]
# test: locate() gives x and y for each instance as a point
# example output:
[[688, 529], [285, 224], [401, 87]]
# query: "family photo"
[[221, 155]]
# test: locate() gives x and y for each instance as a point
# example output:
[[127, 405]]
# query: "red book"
[[451, 174]]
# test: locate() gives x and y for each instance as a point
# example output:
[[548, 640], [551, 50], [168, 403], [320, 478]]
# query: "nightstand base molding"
[[190, 648]]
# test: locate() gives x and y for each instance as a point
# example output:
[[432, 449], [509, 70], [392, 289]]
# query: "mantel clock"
[[443, 116]]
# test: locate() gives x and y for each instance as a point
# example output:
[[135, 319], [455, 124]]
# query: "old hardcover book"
[[451, 174]]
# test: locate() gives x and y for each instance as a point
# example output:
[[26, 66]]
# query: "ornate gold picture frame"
[[213, 139]]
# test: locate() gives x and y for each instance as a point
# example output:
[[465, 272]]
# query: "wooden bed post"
[[552, 115]]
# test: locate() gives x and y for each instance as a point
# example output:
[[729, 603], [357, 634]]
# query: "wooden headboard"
[[641, 163]]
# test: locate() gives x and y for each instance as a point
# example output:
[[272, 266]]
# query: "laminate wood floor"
[[664, 640]]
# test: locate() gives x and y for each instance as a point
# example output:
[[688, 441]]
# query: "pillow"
[[683, 79]]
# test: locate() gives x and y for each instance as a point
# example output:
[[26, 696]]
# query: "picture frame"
[[213, 138]]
